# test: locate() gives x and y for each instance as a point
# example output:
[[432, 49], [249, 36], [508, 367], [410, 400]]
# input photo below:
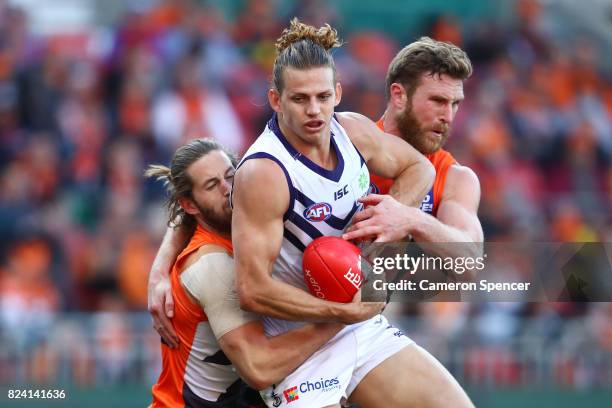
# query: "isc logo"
[[341, 193], [318, 212]]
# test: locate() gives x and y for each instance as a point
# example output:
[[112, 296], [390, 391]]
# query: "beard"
[[412, 131], [221, 221]]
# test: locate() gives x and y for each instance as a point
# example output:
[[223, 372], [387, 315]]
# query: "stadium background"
[[92, 91]]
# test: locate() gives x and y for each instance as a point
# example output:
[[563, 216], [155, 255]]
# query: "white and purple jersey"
[[321, 202]]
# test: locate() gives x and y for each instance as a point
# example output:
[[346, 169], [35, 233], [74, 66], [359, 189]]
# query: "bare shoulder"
[[258, 171], [260, 187], [355, 124], [210, 249], [461, 181], [351, 118], [360, 129], [203, 250], [462, 175]]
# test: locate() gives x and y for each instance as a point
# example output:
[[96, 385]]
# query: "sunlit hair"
[[176, 180], [302, 46], [427, 56]]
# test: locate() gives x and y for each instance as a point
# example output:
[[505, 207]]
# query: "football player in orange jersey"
[[424, 89], [217, 340]]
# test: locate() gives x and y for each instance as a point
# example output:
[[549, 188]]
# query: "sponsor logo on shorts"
[[397, 332], [277, 401], [323, 384], [291, 394], [318, 212]]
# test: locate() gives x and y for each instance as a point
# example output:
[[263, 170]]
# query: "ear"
[[398, 96], [274, 100], [338, 93], [188, 206]]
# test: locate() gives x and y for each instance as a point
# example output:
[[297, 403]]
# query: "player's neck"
[[390, 123], [319, 153], [216, 231]]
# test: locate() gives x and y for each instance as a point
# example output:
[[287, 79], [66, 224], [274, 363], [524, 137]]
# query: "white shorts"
[[331, 374]]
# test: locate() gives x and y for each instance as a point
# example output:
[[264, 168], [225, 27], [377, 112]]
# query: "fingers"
[[161, 321], [362, 231], [381, 238], [372, 199], [363, 215], [164, 328]]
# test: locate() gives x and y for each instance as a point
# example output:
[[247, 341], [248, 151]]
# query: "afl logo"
[[318, 212]]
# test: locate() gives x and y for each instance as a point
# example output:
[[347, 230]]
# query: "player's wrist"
[[417, 224], [158, 273], [340, 313], [355, 313]]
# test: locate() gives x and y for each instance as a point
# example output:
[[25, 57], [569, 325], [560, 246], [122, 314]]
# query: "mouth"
[[439, 133], [314, 125]]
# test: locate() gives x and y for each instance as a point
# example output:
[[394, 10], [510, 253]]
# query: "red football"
[[332, 269]]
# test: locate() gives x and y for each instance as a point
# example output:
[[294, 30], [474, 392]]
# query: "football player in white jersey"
[[370, 363]]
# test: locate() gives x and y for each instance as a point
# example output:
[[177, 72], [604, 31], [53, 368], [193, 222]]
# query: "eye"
[[210, 186], [297, 99], [325, 97]]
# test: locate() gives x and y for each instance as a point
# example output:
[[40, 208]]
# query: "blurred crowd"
[[82, 114]]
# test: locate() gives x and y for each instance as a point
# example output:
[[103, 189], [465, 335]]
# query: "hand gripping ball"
[[332, 269]]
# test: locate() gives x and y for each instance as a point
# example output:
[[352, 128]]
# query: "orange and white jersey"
[[197, 373]]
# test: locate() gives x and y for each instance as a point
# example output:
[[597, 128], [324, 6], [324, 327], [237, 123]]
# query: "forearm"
[[175, 239], [414, 183], [283, 301], [450, 241], [291, 349]]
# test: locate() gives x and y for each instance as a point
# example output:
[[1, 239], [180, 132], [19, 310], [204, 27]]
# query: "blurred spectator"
[[191, 110], [29, 301], [113, 348]]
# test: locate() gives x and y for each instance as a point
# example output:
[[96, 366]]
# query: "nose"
[[447, 113], [226, 187], [313, 108]]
